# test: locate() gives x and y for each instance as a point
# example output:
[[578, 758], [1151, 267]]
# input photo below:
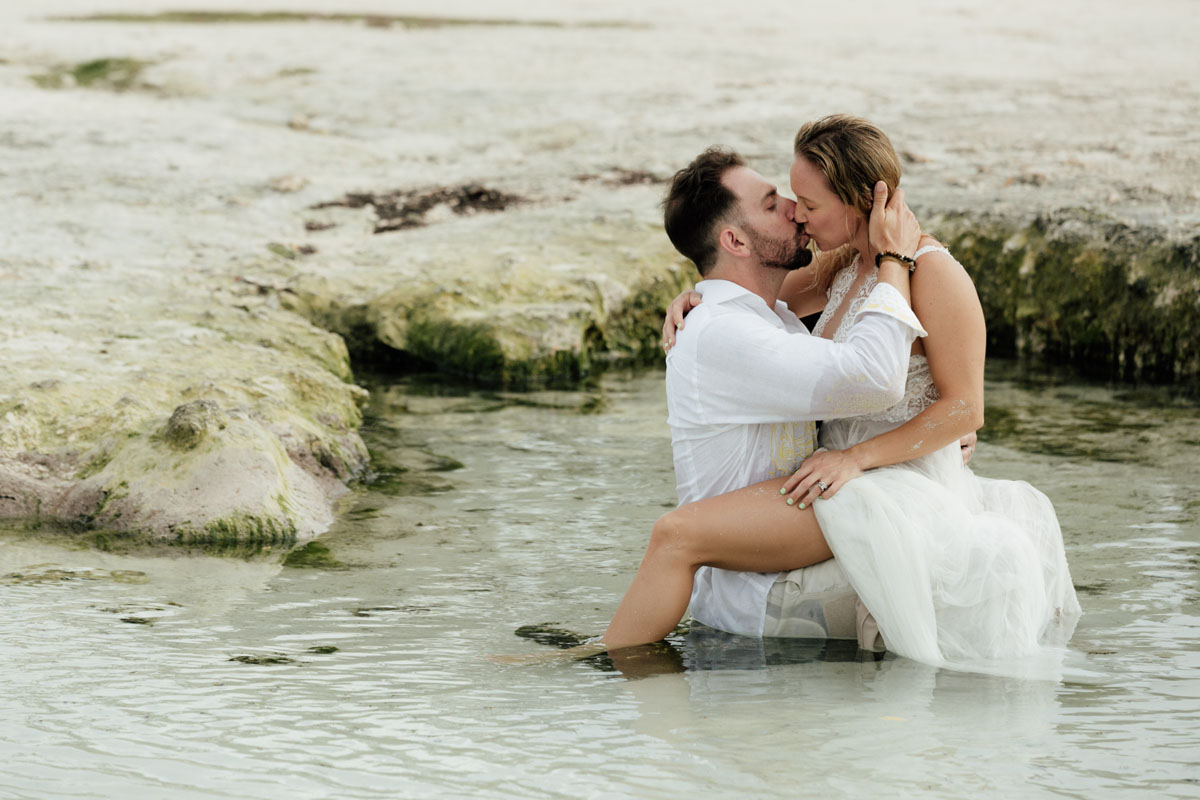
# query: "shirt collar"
[[715, 290]]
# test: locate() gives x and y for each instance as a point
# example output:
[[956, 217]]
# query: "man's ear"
[[732, 240]]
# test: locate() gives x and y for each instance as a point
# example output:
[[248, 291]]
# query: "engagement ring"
[[823, 487]]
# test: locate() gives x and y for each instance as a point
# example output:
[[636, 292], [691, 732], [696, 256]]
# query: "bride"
[[953, 567]]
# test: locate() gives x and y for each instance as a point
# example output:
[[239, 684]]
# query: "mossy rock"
[[1074, 286]]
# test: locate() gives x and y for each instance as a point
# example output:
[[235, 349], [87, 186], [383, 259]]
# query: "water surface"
[[191, 676]]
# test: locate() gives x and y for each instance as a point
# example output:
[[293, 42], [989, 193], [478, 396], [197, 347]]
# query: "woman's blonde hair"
[[852, 154]]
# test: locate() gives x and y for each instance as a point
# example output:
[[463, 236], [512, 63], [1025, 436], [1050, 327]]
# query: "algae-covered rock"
[[1115, 299], [207, 417], [520, 298]]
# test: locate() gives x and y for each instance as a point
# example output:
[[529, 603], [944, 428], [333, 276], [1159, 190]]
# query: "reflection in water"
[[190, 676], [705, 649]]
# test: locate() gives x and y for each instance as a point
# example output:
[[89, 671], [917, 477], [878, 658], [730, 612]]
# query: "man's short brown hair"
[[697, 202]]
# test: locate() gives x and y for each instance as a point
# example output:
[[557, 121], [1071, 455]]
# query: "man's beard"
[[779, 253]]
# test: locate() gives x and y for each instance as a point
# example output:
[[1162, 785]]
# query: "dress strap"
[[930, 248]]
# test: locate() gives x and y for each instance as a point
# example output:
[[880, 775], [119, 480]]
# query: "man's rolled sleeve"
[[886, 299]]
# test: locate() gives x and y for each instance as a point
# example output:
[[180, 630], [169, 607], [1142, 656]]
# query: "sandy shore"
[[182, 183]]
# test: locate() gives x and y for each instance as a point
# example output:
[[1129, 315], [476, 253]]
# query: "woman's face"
[[826, 219]]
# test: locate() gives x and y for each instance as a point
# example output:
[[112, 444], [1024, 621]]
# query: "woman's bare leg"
[[751, 530]]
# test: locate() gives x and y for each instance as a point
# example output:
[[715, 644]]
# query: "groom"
[[746, 381]]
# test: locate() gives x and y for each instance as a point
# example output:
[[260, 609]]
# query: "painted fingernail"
[[790, 501], [802, 506], [782, 490]]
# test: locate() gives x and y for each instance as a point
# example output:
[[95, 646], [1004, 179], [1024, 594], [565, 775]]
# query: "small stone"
[[286, 184], [282, 250], [192, 422]]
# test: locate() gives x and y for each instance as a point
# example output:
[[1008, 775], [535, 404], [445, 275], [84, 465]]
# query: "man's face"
[[767, 220]]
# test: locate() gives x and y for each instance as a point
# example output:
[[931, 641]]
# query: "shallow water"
[[118, 676]]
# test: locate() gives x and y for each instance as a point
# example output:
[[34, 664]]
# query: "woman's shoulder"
[[929, 245]]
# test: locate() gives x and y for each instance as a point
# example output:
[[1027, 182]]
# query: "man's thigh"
[[815, 602]]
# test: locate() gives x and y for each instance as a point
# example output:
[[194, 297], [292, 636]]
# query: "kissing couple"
[[874, 528]]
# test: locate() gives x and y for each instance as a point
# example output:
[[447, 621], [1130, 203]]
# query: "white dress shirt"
[[745, 386]]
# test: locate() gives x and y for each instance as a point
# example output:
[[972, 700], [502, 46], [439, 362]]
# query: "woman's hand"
[[892, 225], [678, 309], [831, 468]]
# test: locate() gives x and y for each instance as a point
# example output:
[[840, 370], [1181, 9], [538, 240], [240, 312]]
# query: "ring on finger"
[[823, 486]]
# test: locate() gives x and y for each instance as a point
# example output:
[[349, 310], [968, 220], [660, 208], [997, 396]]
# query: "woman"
[[952, 566]]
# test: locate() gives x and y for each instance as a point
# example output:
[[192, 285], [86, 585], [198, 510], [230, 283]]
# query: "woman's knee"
[[672, 537]]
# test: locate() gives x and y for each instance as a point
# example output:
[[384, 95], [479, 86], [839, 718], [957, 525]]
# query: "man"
[[746, 381]]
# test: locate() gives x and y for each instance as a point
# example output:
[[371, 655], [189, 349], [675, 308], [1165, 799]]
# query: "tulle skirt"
[[955, 568]]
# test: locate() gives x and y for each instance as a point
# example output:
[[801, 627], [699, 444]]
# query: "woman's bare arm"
[[945, 301]]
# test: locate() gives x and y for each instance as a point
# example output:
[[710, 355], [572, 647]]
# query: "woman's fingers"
[[678, 309], [806, 492], [791, 483], [833, 489]]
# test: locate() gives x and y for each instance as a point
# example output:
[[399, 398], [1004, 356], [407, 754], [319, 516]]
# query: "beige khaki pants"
[[817, 602]]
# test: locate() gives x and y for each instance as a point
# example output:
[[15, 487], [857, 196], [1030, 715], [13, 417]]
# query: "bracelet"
[[911, 263]]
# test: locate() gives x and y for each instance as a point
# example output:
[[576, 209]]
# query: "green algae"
[[313, 555], [113, 74], [239, 530]]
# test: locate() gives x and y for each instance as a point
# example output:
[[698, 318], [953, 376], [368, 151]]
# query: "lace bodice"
[[919, 391]]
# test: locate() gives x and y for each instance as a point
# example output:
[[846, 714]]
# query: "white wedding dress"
[[955, 568]]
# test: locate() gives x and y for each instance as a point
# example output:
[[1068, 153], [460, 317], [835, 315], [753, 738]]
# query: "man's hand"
[[892, 225], [821, 475], [967, 443], [678, 309]]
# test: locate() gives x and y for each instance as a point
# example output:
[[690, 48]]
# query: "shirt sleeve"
[[752, 371]]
